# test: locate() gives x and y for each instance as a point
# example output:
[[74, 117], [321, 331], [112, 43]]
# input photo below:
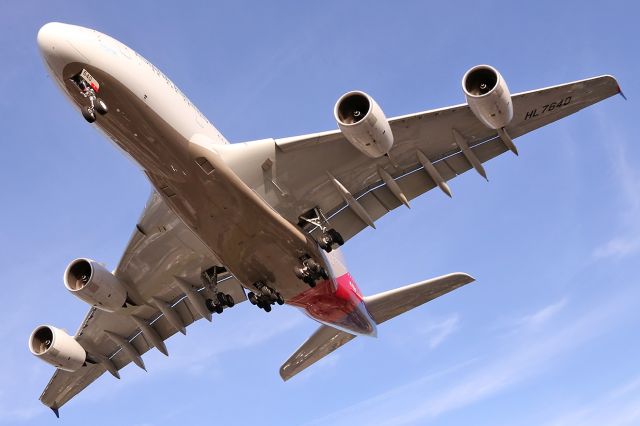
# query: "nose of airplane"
[[60, 44], [48, 35]]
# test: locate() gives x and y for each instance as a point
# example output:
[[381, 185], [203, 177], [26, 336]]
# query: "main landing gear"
[[89, 88], [329, 237], [265, 296], [219, 300], [310, 271]]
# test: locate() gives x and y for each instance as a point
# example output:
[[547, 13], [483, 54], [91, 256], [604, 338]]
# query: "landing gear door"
[[90, 80]]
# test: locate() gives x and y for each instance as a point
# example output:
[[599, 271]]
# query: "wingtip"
[[283, 374], [468, 278], [56, 411], [621, 93]]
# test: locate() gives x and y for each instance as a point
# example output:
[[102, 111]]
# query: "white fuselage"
[[152, 121]]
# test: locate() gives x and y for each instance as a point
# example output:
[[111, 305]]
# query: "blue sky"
[[547, 335]]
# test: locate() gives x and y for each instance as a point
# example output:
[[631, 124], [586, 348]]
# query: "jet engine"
[[56, 347], [363, 123], [488, 96], [91, 282]]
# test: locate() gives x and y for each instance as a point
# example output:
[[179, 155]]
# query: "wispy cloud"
[[525, 355], [542, 316], [438, 331], [620, 406], [627, 179]]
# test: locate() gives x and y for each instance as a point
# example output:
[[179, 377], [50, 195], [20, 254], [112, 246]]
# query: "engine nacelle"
[[363, 123], [488, 96], [56, 347], [91, 282]]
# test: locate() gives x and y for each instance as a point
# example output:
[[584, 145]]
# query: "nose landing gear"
[[89, 88]]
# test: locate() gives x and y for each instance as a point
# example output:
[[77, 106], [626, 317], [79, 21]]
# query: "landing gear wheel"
[[252, 298], [221, 299], [313, 265], [267, 307], [101, 107], [210, 305], [325, 244], [335, 236], [219, 309], [300, 273], [88, 114], [279, 299], [229, 300], [324, 274]]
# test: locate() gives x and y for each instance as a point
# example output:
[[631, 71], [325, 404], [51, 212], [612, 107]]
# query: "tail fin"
[[383, 307]]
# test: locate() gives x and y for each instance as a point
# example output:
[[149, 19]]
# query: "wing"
[[161, 247], [296, 175]]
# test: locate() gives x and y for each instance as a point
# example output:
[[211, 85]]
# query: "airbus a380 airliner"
[[261, 220]]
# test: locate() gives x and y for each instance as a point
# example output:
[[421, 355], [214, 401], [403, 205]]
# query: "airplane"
[[264, 220]]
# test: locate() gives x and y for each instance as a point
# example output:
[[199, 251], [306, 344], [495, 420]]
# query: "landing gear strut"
[[265, 296], [329, 236], [219, 300], [310, 271], [88, 88]]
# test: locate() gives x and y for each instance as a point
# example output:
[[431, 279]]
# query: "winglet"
[[55, 411], [620, 91]]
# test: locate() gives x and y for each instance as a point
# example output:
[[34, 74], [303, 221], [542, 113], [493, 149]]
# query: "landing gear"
[[310, 271], [89, 88], [329, 237], [88, 114], [265, 297], [100, 106], [216, 304]]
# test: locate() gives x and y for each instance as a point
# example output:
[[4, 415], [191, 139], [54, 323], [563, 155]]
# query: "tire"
[[219, 309], [210, 305], [299, 272], [101, 107], [335, 236], [230, 301], [88, 114], [267, 308], [221, 298], [312, 265], [279, 299], [324, 274], [252, 298]]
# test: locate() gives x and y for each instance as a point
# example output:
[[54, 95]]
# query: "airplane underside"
[[263, 220]]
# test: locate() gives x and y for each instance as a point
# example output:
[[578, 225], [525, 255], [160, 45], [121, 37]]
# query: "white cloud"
[[618, 247], [627, 182], [620, 406], [438, 331], [526, 355], [542, 316]]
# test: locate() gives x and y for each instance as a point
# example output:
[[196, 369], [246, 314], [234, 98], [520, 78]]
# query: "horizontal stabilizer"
[[383, 307]]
